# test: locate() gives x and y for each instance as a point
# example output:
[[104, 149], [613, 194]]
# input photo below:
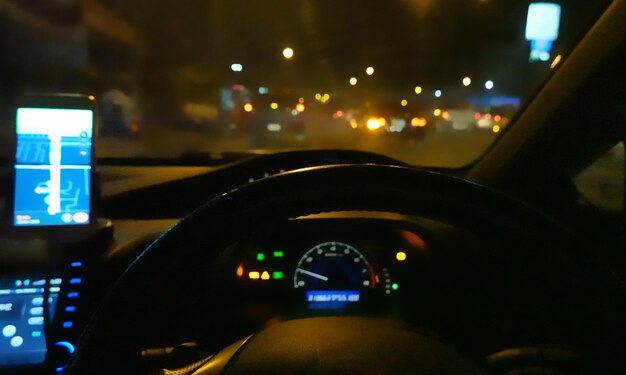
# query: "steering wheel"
[[144, 299]]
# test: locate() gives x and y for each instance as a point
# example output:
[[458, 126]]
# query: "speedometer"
[[334, 266]]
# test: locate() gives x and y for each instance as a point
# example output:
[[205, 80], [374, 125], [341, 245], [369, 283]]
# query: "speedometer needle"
[[313, 274]]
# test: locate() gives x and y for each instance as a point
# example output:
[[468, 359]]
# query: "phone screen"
[[53, 166]]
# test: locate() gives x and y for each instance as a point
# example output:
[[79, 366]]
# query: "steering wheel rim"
[[289, 195]]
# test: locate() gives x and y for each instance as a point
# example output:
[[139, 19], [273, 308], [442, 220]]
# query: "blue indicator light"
[[67, 324], [72, 295], [70, 308], [70, 350], [76, 264], [36, 334], [333, 296], [76, 280]]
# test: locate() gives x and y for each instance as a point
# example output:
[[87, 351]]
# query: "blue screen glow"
[[53, 167], [22, 336], [543, 21], [333, 296]]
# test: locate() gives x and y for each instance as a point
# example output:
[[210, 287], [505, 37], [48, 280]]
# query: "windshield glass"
[[428, 82]]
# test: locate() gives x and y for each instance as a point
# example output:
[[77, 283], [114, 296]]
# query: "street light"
[[369, 71], [288, 52], [418, 90], [353, 81], [467, 81], [489, 85]]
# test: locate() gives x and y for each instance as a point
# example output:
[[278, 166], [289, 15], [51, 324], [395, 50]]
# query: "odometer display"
[[333, 266]]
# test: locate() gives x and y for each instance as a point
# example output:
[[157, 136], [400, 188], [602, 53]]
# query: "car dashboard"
[[451, 282]]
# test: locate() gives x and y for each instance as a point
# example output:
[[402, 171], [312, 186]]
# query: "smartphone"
[[54, 160]]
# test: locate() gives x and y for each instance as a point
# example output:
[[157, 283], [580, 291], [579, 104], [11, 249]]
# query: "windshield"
[[428, 82]]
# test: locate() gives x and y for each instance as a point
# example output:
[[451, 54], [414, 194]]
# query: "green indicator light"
[[278, 275], [260, 256], [394, 286], [278, 254]]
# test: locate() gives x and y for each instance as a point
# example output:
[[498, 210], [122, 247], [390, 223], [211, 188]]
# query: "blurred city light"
[[301, 100], [273, 127], [495, 128], [477, 115], [418, 122], [497, 118], [403, 102], [437, 112], [418, 90], [467, 81], [437, 93], [369, 71], [318, 96], [376, 123], [288, 52], [274, 106], [248, 107], [354, 124], [445, 115], [489, 85], [338, 114], [353, 81], [488, 116], [401, 256], [556, 61], [300, 107], [263, 90], [236, 67]]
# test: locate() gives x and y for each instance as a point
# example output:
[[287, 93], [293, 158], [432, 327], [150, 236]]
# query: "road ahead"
[[435, 149]]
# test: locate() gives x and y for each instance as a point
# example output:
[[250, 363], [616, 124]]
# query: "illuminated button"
[[35, 321], [72, 295], [76, 264], [254, 275], [401, 256], [394, 286], [260, 256], [76, 280], [9, 330], [36, 334], [36, 310], [278, 275], [67, 324], [37, 301], [265, 275], [17, 341], [240, 270], [278, 254], [56, 281], [70, 308], [55, 289]]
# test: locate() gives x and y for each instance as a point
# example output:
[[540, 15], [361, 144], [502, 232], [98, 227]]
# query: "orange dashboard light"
[[265, 275], [240, 271], [401, 256], [254, 275]]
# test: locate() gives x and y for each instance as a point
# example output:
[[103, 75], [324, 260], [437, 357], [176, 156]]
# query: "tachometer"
[[334, 266]]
